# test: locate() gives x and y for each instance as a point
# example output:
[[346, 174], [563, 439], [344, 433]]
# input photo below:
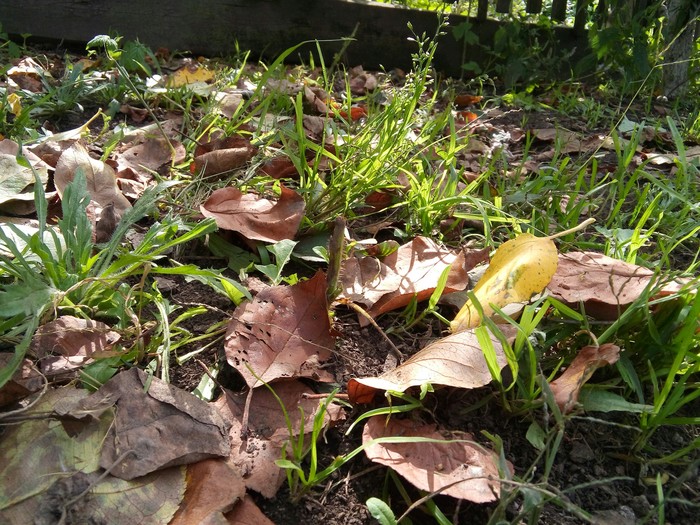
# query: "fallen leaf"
[[255, 448], [228, 101], [213, 488], [382, 285], [604, 285], [223, 155], [317, 99], [284, 332], [520, 268], [27, 75], [361, 82], [567, 386], [432, 466], [247, 513], [68, 343], [281, 167], [190, 73], [162, 426], [463, 101], [101, 178], [37, 457], [456, 360], [17, 180], [25, 381], [255, 217], [146, 155], [356, 113]]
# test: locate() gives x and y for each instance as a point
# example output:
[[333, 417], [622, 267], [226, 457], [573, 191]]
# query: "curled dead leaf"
[[101, 178], [567, 386], [382, 285], [255, 217], [222, 155], [456, 360]]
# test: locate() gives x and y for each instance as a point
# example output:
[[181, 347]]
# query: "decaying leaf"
[[145, 155], [100, 177], [222, 155], [255, 217], [68, 343], [284, 332], [255, 449], [37, 457], [432, 466], [213, 488], [24, 382], [604, 285], [382, 285], [160, 424], [567, 386], [456, 360], [16, 180], [520, 268], [247, 513]]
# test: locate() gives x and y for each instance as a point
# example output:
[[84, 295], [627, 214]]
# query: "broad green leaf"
[[520, 268], [28, 297], [380, 511]]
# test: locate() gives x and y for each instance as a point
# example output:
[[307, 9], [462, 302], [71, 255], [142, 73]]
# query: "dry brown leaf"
[[222, 155], [44, 464], [456, 360], [433, 466], [247, 513], [213, 488], [100, 177], [70, 342], [570, 142], [163, 426], [24, 382], [317, 100], [284, 332], [27, 75], [254, 455], [567, 386], [255, 217], [412, 270], [148, 154], [280, 167], [604, 285]]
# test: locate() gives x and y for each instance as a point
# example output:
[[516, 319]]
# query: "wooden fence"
[[268, 27]]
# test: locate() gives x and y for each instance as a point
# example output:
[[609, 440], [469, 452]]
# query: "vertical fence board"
[[503, 6], [558, 10], [533, 6]]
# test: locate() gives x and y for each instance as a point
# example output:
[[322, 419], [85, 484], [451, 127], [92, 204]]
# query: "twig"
[[73, 501], [44, 388], [366, 315]]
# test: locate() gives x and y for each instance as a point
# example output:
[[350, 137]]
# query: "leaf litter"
[[285, 333]]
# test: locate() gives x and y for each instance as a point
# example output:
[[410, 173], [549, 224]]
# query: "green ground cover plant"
[[271, 173]]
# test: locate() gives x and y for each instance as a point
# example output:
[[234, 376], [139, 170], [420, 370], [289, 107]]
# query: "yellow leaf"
[[189, 75], [520, 268], [15, 103]]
